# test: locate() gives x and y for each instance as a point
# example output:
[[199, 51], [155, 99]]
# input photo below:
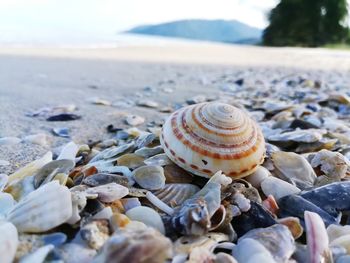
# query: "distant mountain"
[[228, 31]]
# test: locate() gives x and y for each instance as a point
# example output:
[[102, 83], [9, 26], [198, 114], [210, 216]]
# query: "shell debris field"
[[232, 178]]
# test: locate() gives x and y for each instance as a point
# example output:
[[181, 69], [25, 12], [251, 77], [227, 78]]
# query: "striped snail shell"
[[208, 137]]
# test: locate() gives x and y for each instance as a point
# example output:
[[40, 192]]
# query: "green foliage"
[[307, 23]]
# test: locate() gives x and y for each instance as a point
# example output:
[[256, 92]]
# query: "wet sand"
[[32, 78]]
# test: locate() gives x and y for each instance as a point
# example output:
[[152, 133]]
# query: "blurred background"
[[111, 23]]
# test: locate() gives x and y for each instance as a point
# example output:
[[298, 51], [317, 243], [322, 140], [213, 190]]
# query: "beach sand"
[[32, 78]]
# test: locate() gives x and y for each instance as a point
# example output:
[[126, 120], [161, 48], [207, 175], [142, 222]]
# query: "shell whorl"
[[208, 137]]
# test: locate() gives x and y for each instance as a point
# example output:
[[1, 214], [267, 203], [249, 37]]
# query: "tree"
[[307, 23]]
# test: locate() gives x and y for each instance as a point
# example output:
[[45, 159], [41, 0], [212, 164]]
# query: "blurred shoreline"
[[192, 52]]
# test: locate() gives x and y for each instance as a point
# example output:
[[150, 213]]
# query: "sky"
[[84, 16]]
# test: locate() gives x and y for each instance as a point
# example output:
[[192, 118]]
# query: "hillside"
[[228, 31]]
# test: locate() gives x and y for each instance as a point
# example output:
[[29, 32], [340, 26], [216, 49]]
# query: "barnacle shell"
[[208, 137]]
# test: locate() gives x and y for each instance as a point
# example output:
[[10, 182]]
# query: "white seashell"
[[258, 176], [150, 177], [3, 181], [9, 140], [307, 136], [109, 192], [317, 238], [159, 159], [30, 168], [251, 251], [105, 213], [293, 168], [134, 120], [144, 139], [335, 231], [147, 152], [186, 244], [159, 203], [220, 179], [242, 202], [48, 172], [20, 189], [99, 101], [129, 203], [140, 244], [6, 203], [147, 103], [113, 152], [130, 160], [38, 256], [333, 164], [147, 216], [208, 137], [40, 139], [175, 194], [342, 241], [79, 202], [43, 209], [278, 188], [8, 242], [69, 151], [125, 171]]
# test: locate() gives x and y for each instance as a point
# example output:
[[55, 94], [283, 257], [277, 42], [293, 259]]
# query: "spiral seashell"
[[208, 137]]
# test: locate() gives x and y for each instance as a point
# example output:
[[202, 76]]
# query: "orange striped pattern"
[[215, 133]]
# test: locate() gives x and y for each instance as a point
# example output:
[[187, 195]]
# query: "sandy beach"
[[32, 78]]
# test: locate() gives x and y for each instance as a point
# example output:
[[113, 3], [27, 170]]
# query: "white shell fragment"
[[69, 151], [159, 203], [79, 202], [30, 168], [3, 181], [150, 177], [307, 136], [43, 209], [147, 216], [317, 238], [175, 194], [333, 164], [258, 176], [134, 120], [109, 192], [6, 203], [159, 159], [8, 242], [40, 139], [147, 152], [251, 251], [336, 231], [9, 140], [293, 168], [278, 188]]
